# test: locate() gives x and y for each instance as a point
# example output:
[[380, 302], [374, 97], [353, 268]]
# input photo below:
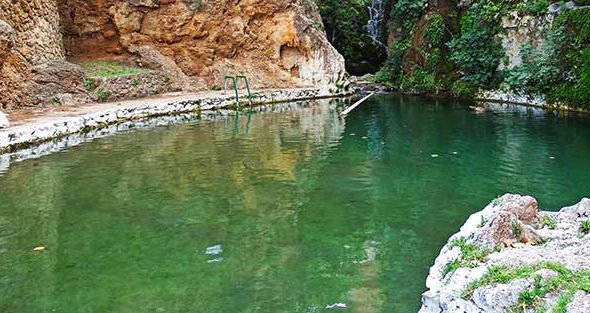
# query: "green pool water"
[[309, 209]]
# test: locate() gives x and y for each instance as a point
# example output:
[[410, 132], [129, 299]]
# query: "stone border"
[[498, 96], [68, 141], [33, 133]]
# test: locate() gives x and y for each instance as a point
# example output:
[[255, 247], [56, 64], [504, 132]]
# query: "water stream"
[[376, 22]]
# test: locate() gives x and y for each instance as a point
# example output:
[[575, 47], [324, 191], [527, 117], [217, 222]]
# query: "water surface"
[[309, 209]]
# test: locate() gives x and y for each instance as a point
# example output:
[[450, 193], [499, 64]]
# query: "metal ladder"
[[236, 80]]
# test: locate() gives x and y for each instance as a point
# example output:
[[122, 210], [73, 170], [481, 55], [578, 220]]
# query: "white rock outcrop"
[[3, 120], [514, 235]]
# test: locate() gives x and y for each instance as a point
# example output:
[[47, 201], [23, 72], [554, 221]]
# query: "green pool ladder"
[[235, 80]]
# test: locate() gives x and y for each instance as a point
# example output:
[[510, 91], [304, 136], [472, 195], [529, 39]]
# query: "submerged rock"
[[510, 251]]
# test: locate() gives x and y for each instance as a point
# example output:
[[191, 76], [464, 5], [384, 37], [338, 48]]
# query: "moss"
[[566, 283], [102, 69], [471, 256]]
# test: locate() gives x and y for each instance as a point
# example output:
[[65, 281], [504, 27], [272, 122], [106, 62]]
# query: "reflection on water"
[[271, 212]]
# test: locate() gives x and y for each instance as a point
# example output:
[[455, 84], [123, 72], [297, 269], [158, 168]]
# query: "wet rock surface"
[[511, 235]]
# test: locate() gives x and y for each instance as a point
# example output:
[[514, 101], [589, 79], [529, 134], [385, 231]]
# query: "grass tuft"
[[471, 256], [103, 69], [548, 221], [566, 283], [585, 227]]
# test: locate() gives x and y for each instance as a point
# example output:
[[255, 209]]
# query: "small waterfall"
[[376, 20]]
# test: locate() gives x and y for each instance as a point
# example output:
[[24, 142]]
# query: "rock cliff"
[[510, 257], [195, 42]]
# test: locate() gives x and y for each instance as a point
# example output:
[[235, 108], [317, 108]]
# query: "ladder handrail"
[[236, 80], [233, 79], [247, 85]]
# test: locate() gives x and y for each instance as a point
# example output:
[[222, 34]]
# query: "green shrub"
[[89, 85], [548, 221], [476, 52], [102, 95], [463, 89]]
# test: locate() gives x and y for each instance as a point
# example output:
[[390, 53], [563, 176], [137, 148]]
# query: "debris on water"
[[552, 158], [455, 152], [39, 249], [352, 134], [364, 137], [216, 260], [434, 155], [214, 250], [336, 306], [346, 247]]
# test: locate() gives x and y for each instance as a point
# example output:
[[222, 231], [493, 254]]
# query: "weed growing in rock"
[[566, 283], [516, 230], [471, 256], [585, 227], [451, 267], [89, 85], [548, 221], [482, 222], [532, 298], [134, 83], [198, 6], [102, 95]]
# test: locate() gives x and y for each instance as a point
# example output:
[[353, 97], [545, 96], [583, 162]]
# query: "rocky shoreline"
[[511, 257], [88, 117]]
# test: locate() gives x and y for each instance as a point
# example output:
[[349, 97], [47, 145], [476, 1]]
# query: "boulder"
[[58, 82], [579, 210], [525, 208], [504, 228], [510, 226]]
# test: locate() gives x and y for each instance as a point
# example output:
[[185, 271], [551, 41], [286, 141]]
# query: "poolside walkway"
[[30, 126]]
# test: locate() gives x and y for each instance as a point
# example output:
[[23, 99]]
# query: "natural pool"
[[309, 209]]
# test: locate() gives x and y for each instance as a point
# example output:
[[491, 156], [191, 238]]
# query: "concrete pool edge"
[[83, 118]]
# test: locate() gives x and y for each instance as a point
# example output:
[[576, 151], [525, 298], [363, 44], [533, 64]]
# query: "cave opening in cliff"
[[89, 32]]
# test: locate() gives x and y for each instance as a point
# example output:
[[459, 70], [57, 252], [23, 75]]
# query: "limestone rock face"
[[29, 37], [196, 43], [6, 41], [275, 43], [508, 229]]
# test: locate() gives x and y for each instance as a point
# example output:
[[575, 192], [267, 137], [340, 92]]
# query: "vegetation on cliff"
[[458, 49]]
